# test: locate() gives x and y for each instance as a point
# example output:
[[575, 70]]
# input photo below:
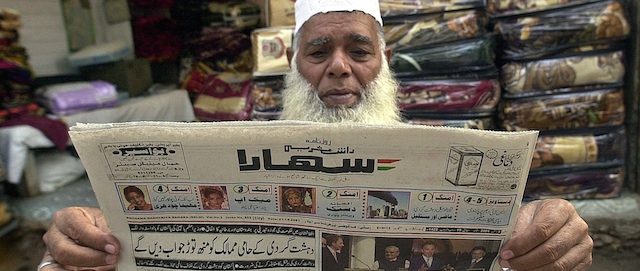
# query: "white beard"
[[377, 103]]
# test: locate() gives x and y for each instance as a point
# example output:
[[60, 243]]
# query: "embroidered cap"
[[305, 9]]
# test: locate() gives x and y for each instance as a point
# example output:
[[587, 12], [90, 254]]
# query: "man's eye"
[[360, 53], [317, 54]]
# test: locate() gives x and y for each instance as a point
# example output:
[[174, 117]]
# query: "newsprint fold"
[[267, 195]]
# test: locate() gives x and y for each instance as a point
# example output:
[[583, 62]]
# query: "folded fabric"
[[404, 7], [449, 95], [555, 30], [512, 7], [579, 109], [411, 31], [581, 69], [71, 98], [591, 181], [54, 130], [582, 146], [465, 55]]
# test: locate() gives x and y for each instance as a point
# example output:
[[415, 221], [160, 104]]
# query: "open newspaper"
[[267, 195]]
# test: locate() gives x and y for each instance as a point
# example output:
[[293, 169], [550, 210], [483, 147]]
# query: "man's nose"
[[339, 66]]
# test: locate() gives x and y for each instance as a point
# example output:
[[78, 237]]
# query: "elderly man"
[[340, 74], [390, 262]]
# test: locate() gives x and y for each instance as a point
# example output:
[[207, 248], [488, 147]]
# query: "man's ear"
[[387, 53], [289, 55]]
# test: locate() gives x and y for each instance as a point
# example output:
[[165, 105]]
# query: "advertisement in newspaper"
[[285, 195]]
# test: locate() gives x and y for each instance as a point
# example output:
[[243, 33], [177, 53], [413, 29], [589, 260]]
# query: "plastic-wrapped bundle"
[[456, 94], [71, 98], [406, 7], [410, 31], [235, 15], [462, 56], [570, 70], [513, 7], [596, 181], [468, 120], [267, 97], [578, 109], [580, 146], [551, 31], [219, 43]]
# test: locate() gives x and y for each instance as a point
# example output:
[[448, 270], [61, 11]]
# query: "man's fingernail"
[[109, 248], [507, 254], [111, 259], [504, 264]]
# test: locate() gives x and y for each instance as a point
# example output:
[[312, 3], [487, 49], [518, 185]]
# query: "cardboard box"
[[280, 13], [133, 75]]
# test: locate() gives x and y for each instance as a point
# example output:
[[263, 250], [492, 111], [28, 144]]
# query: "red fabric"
[[54, 130]]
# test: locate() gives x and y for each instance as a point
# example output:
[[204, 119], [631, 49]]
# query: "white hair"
[[377, 103]]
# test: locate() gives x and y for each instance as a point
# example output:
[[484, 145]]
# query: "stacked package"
[[218, 57], [562, 71], [269, 48], [15, 71], [444, 58]]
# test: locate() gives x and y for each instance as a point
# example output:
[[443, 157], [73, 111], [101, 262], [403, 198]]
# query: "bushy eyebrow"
[[319, 41], [352, 36], [360, 38]]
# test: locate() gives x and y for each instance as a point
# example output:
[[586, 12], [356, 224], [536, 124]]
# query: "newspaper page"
[[268, 195]]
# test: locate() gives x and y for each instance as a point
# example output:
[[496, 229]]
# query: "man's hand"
[[79, 237], [549, 235]]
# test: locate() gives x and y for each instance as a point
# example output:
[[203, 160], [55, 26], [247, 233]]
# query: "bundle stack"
[[16, 97], [562, 70], [219, 60], [269, 49], [444, 58]]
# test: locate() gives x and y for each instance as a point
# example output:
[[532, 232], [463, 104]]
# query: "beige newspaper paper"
[[264, 195]]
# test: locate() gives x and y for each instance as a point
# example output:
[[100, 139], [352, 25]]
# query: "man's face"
[[477, 254], [391, 253], [339, 72], [428, 250], [338, 55], [337, 245]]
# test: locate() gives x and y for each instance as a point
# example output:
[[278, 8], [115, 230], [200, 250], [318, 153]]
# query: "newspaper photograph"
[[298, 196]]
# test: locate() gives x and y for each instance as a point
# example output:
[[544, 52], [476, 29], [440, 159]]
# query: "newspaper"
[[266, 195]]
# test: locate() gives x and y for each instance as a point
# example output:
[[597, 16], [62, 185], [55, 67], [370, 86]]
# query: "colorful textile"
[[580, 147], [551, 31], [461, 56], [449, 95], [594, 68], [218, 43], [577, 183], [595, 108], [512, 7], [408, 32], [156, 38], [403, 7], [467, 120]]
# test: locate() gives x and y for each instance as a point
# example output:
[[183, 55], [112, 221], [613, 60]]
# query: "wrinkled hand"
[[79, 238], [549, 235]]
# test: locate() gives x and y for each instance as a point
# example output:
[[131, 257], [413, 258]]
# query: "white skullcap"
[[305, 9]]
